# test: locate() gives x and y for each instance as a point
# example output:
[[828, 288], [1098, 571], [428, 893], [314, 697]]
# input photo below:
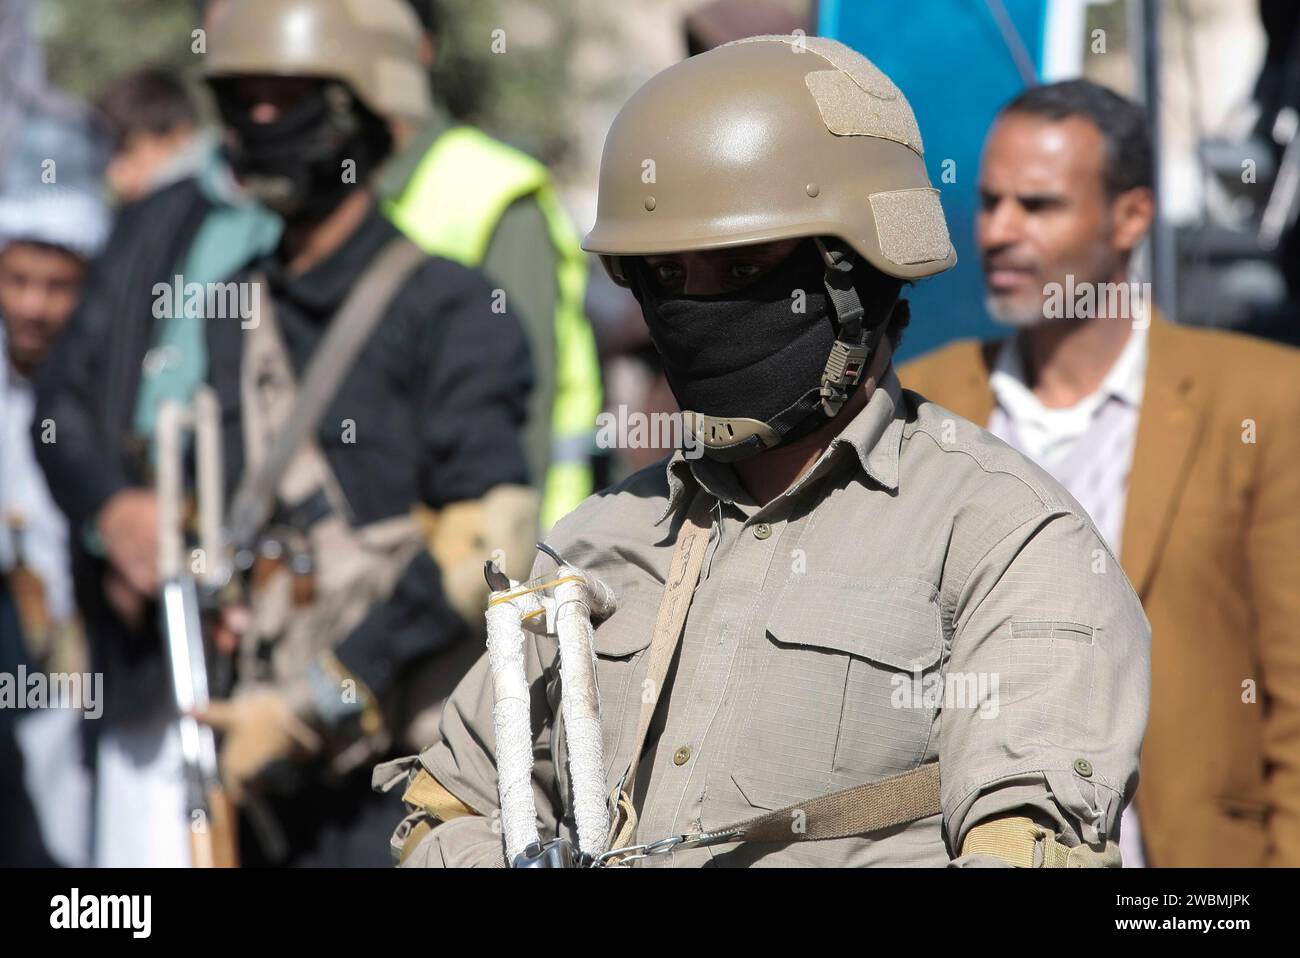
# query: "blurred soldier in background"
[[1182, 445], [417, 455], [459, 193], [426, 422], [52, 222]]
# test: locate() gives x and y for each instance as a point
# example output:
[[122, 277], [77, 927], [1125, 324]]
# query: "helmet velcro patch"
[[910, 226], [883, 112], [848, 111]]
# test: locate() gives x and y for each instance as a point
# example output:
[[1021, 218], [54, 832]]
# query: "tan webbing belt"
[[871, 807]]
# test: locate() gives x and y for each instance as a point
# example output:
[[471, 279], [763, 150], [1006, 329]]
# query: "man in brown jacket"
[[1183, 446]]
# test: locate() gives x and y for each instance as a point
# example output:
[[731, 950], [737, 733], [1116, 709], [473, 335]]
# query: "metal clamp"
[[632, 853], [664, 846]]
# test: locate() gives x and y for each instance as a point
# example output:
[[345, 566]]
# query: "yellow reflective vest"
[[451, 208]]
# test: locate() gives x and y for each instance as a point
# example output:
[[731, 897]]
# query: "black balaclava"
[[295, 165], [748, 354]]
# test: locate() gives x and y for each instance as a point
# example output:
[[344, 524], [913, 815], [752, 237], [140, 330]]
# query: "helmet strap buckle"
[[844, 368], [853, 346]]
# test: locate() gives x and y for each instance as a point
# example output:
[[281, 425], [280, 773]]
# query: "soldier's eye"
[[666, 273]]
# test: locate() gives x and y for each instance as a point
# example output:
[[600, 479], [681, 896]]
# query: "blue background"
[[952, 64]]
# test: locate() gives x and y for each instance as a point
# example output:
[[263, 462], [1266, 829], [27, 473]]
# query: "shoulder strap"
[[683, 574], [358, 317], [871, 807]]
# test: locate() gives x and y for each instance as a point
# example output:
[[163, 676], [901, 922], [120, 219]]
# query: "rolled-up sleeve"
[[1047, 619]]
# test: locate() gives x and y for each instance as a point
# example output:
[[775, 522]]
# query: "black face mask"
[[295, 165], [748, 354]]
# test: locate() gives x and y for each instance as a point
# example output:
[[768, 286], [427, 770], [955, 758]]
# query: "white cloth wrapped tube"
[[511, 718], [568, 615], [580, 703]]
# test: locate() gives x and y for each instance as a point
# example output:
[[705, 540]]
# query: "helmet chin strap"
[[856, 342]]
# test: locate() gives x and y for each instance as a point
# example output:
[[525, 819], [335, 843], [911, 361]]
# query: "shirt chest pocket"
[[836, 698]]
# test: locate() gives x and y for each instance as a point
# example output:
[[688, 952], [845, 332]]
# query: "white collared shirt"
[[1087, 447], [1049, 432]]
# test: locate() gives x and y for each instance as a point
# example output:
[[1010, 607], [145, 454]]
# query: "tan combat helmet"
[[372, 45], [764, 139]]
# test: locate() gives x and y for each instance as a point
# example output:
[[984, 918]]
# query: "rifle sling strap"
[[349, 330], [871, 807]]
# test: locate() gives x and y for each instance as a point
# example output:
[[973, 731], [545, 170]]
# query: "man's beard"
[[1019, 314]]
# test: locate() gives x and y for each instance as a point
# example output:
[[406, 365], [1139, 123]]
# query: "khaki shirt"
[[924, 593]]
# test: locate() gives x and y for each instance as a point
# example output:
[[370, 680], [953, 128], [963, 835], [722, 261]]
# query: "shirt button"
[[682, 755], [1083, 767], [762, 531]]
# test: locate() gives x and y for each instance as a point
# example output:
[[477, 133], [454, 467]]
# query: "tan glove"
[[260, 727]]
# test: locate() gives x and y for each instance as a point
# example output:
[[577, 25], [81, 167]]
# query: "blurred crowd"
[[336, 184], [111, 214]]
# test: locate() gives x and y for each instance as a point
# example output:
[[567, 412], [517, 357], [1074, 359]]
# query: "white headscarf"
[[52, 189]]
